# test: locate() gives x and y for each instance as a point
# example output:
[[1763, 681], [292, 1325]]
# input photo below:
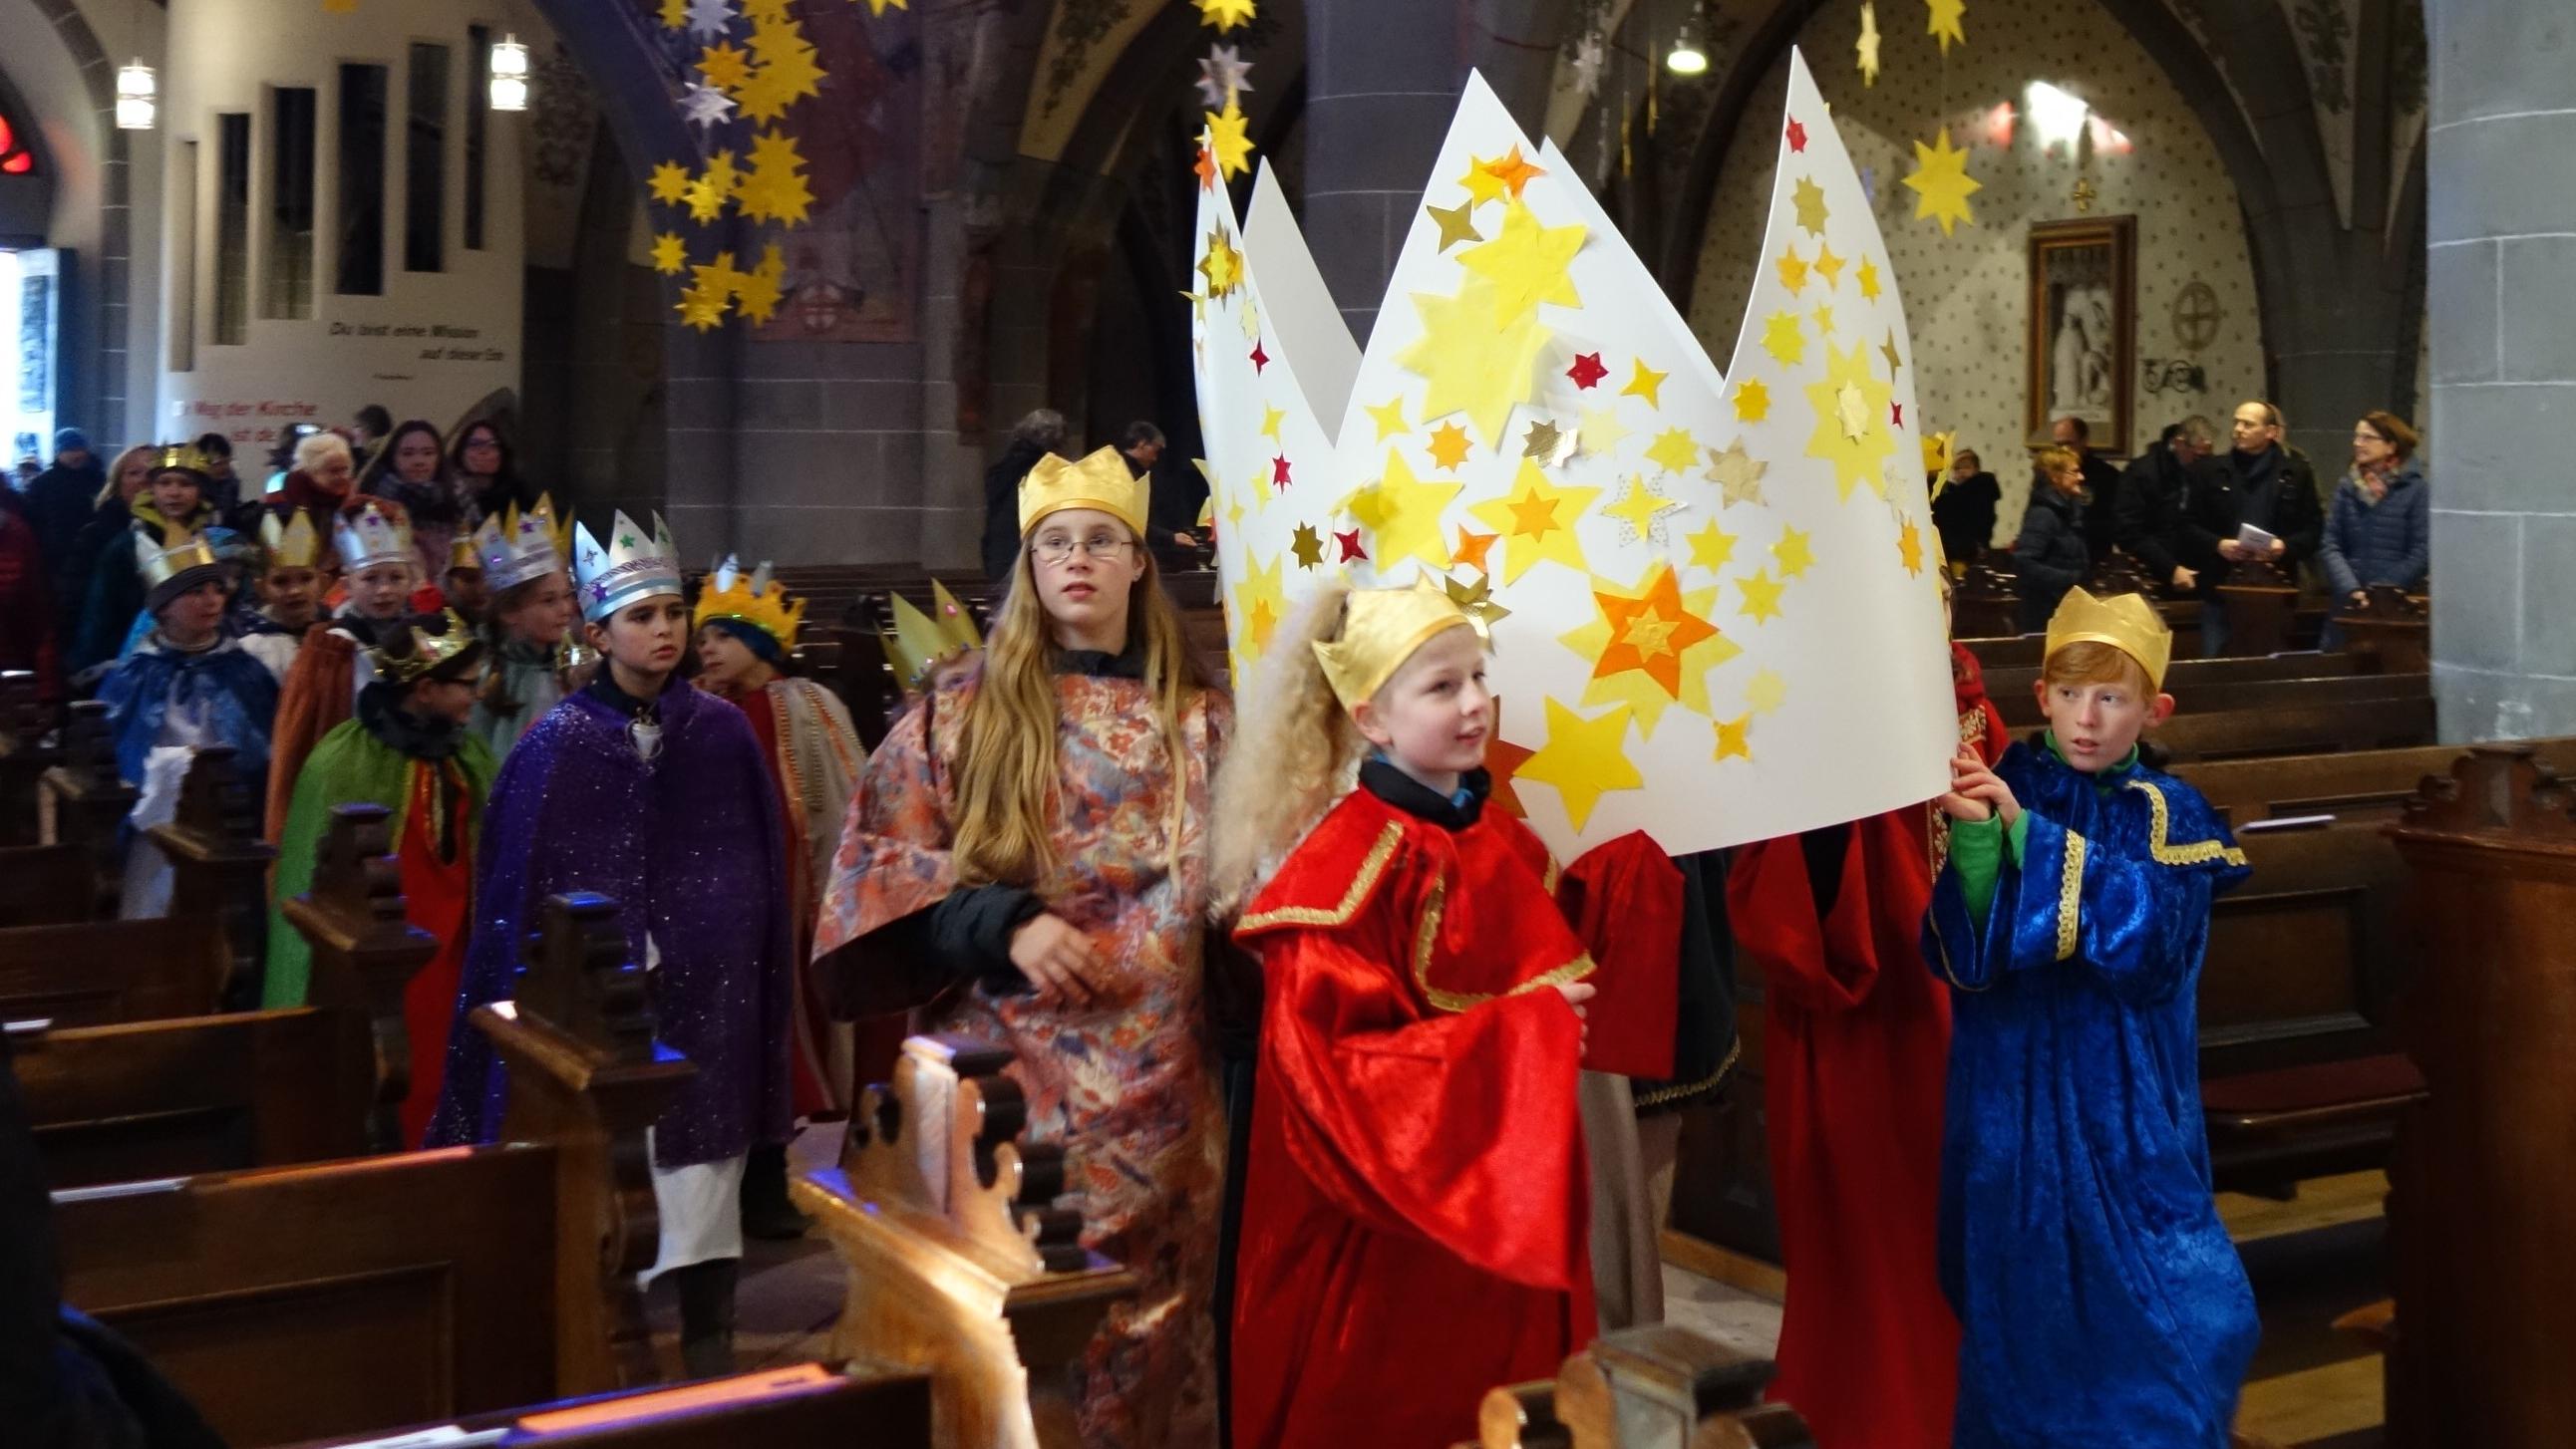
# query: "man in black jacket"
[[1040, 433], [2275, 490], [2173, 510]]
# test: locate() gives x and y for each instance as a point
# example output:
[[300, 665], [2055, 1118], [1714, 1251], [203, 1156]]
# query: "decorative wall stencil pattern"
[[1967, 293], [2324, 29]]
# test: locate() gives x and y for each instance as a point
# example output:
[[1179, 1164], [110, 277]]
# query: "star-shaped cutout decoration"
[[1793, 270], [1526, 263], [790, 70], [1221, 264], [1224, 14], [1307, 545], [1646, 383], [1642, 510], [670, 254], [1651, 646], [1737, 473], [878, 8], [1457, 223], [1782, 339], [724, 66], [1591, 57], [1349, 544], [1674, 450], [1260, 359], [1448, 447], [1941, 183], [1944, 22], [1766, 691], [1229, 139], [1761, 595], [757, 294], [1733, 738], [1583, 759], [1279, 473], [1807, 199], [713, 187], [1204, 168], [1256, 606], [1402, 514], [1909, 547], [1389, 417], [1711, 547], [1250, 316], [1472, 548], [1867, 280], [1600, 431], [675, 13], [1829, 266], [1752, 401], [1223, 74], [1795, 552], [1271, 418], [1536, 521], [1512, 172], [774, 189], [1824, 315], [1851, 410], [1867, 48], [1543, 442], [1887, 350], [1896, 414], [670, 183], [708, 19], [1851, 432], [703, 106], [1476, 601], [1472, 365], [1587, 371], [1797, 135]]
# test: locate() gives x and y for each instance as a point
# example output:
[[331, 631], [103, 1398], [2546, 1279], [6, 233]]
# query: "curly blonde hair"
[[1294, 754]]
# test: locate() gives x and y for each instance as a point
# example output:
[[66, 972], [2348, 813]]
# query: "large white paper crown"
[[627, 565], [516, 547], [1719, 581], [373, 531]]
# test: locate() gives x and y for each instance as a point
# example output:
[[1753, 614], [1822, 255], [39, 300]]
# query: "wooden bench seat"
[[2268, 1130], [799, 1405]]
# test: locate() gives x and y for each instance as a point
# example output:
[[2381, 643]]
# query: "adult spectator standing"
[[2101, 485], [223, 485], [2275, 488], [1964, 512], [59, 504], [2169, 516], [1172, 506], [2380, 531], [26, 614], [1040, 433], [487, 471], [2049, 555]]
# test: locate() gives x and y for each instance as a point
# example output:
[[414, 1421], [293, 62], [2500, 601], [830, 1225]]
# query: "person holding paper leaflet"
[[2275, 492], [2100, 1302], [1416, 1221]]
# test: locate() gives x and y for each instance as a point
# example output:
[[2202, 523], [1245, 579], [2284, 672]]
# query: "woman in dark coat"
[[1040, 433], [2050, 556], [1963, 512], [2381, 528]]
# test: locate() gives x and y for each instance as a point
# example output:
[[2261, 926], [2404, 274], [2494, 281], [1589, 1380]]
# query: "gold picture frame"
[[2084, 329]]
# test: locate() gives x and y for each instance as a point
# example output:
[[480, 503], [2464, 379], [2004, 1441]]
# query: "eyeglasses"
[[2366, 436], [1055, 548]]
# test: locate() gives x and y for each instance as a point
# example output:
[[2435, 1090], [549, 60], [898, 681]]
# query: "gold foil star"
[[787, 72], [1887, 350], [1761, 596], [1457, 223], [1731, 738], [1472, 365], [1782, 339], [1536, 521], [1766, 691], [713, 187], [1448, 447], [1229, 139], [1476, 600], [1944, 22], [1600, 430], [675, 13], [1389, 417], [1794, 553], [1867, 48], [1793, 270], [775, 189], [1221, 264], [1711, 547], [1851, 420], [670, 254], [1829, 266], [1308, 546], [1224, 14], [670, 183], [1646, 383], [1584, 759], [1651, 646], [878, 8], [1674, 450], [1752, 401], [724, 66], [1542, 441], [756, 295], [1526, 263], [1808, 200], [1737, 473], [1402, 514], [1867, 279], [1941, 183], [1643, 509]]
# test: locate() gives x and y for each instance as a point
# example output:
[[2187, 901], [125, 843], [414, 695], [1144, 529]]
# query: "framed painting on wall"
[[2083, 328]]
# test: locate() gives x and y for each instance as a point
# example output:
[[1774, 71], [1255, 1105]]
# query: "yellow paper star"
[[1752, 401], [1887, 350], [1851, 420], [1824, 315], [1583, 759], [670, 254], [1643, 509], [1251, 318], [1402, 514], [878, 8], [787, 72], [1257, 605], [1229, 139], [1482, 185], [1936, 453], [757, 295], [1808, 200], [1448, 447], [1761, 595], [1909, 547], [713, 187], [1737, 473], [1526, 264], [675, 14], [1782, 339], [670, 183], [1389, 417], [1941, 183], [1472, 365], [1270, 419], [766, 12], [1651, 646], [1793, 270], [1600, 430], [1646, 383], [1224, 14], [1537, 521], [1944, 22], [1793, 552], [1731, 733], [1456, 223], [1221, 264], [1675, 450], [701, 306], [1829, 266], [1712, 547], [1868, 46], [775, 189], [1766, 691], [1867, 279], [725, 66]]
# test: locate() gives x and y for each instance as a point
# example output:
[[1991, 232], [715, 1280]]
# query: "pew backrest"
[[102, 972]]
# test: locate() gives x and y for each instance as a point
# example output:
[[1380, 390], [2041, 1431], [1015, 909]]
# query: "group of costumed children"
[[1986, 1140]]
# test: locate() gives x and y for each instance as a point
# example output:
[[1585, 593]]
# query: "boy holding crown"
[[2099, 1299], [653, 794], [407, 750], [745, 629], [373, 540]]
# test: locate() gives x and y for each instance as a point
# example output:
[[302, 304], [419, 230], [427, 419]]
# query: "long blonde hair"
[[1007, 773], [1292, 756]]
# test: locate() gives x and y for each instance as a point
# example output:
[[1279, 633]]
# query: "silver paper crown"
[[517, 547], [626, 566], [374, 532]]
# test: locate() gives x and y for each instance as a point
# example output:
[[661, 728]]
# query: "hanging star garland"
[[1941, 183], [1943, 24], [724, 66], [1223, 75], [713, 187], [1230, 140], [670, 183], [1225, 15], [704, 107], [1867, 48], [774, 189], [670, 254], [1584, 759], [759, 292], [788, 72], [709, 19]]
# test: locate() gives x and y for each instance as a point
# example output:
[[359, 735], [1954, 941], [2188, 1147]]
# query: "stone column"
[[1381, 84], [2501, 292]]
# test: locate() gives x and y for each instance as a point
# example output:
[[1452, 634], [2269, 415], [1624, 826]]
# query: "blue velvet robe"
[[232, 690], [2099, 1298]]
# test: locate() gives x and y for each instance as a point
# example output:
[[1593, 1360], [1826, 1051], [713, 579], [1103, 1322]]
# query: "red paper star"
[[1503, 759], [1797, 135], [1587, 370], [1351, 550], [1260, 359], [1896, 410], [1279, 472]]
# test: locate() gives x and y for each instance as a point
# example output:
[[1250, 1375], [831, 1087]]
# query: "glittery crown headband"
[[758, 601], [627, 566]]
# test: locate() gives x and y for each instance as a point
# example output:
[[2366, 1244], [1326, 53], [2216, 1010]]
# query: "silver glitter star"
[[709, 19], [1222, 74], [1590, 57], [705, 106]]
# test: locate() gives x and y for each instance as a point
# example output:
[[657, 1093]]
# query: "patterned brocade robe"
[[1127, 1083]]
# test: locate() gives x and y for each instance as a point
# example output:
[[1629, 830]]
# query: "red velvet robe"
[[438, 897], [807, 1024], [1857, 1048], [1415, 1227]]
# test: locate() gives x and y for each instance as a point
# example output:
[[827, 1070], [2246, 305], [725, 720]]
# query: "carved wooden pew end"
[[1654, 1387]]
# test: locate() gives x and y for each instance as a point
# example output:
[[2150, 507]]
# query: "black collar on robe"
[[1384, 779], [603, 687], [381, 713], [1128, 663]]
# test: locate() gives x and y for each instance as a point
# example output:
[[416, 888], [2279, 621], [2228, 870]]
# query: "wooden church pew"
[[799, 1405], [2299, 728], [24, 755], [168, 1097], [2370, 785], [339, 1297], [1654, 1387]]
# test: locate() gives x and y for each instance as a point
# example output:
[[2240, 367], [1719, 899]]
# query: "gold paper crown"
[[1381, 628], [461, 554], [182, 456], [371, 533], [516, 547], [760, 602], [159, 563], [2126, 622], [920, 643], [295, 544], [956, 624], [427, 651], [1099, 481]]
